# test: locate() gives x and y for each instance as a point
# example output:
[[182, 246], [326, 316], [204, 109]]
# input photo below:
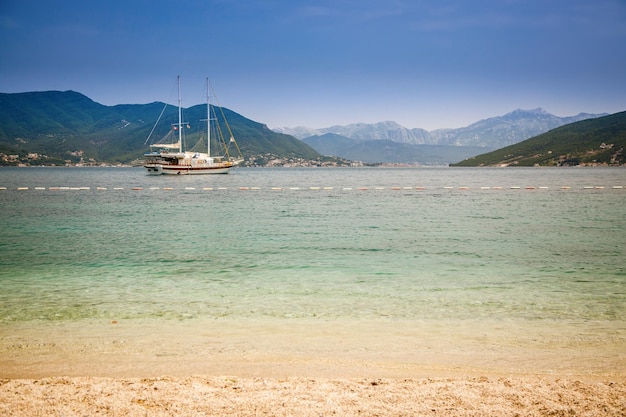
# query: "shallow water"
[[533, 248]]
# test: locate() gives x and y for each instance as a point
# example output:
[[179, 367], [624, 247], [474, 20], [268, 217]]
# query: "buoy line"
[[321, 188]]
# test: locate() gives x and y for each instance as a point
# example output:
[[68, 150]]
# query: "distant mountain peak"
[[538, 110]]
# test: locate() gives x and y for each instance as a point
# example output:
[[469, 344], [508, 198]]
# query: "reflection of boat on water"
[[171, 158]]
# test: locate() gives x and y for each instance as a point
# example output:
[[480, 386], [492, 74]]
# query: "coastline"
[[302, 368]]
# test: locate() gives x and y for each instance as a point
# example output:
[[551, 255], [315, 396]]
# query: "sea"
[[528, 248]]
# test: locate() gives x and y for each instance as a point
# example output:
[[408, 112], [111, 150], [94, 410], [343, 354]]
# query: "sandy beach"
[[303, 369], [232, 396]]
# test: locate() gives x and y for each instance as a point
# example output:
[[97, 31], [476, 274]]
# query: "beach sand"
[[226, 368], [232, 396]]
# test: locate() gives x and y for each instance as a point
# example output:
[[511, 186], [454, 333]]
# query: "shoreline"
[[304, 368], [283, 348]]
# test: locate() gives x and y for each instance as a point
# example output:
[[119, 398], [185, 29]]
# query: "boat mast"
[[208, 120], [180, 119]]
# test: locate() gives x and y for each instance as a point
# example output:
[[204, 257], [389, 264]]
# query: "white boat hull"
[[185, 170]]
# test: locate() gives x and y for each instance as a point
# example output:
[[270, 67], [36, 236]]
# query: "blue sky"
[[428, 64]]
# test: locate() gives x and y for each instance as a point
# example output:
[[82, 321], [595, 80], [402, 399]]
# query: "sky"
[[286, 63]]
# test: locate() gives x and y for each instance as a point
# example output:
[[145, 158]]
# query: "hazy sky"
[[429, 64]]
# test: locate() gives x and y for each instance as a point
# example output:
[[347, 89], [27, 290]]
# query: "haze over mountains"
[[494, 132], [392, 143]]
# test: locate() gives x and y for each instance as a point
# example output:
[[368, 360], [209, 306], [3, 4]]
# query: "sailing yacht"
[[172, 159]]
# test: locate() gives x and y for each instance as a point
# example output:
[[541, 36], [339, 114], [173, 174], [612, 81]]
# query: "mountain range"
[[494, 132], [66, 127], [392, 143], [598, 141]]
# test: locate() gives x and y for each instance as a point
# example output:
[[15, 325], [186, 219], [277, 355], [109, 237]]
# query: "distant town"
[[77, 159]]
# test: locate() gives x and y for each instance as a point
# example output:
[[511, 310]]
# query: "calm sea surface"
[[530, 245]]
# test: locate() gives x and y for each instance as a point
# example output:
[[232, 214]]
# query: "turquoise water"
[[349, 244]]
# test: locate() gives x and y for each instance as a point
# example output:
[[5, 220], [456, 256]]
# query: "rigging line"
[[155, 124], [219, 134], [232, 137], [162, 111]]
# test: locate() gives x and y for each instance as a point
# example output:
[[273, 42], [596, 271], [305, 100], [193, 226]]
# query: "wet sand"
[[297, 368]]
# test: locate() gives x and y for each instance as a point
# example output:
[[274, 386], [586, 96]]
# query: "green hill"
[[598, 141], [55, 128]]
